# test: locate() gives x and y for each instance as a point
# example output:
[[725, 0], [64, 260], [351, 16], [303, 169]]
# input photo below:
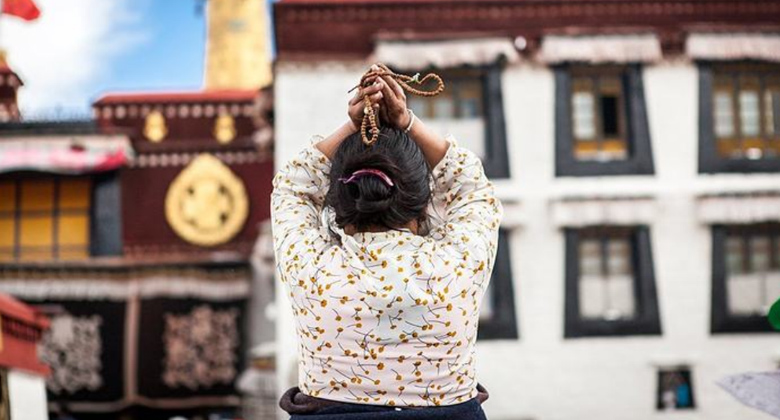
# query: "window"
[[675, 389], [44, 219], [746, 276], [610, 284], [606, 277], [497, 313], [598, 118], [471, 109], [739, 118], [601, 126]]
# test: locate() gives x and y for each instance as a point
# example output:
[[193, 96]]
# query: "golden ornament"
[[206, 204], [224, 129], [155, 129]]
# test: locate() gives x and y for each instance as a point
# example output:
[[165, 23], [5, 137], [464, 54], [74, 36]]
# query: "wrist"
[[412, 119], [351, 126], [405, 121]]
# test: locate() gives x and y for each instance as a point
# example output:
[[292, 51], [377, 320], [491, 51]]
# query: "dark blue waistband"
[[469, 410]]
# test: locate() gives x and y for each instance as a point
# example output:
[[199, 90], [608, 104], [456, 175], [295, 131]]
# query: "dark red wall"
[[145, 230]]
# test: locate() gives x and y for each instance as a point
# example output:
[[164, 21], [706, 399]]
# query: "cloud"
[[64, 55]]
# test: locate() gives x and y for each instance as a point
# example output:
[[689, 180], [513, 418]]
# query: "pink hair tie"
[[360, 173]]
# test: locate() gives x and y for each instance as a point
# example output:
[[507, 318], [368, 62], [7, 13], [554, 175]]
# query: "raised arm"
[[299, 194], [472, 212], [433, 146], [296, 203]]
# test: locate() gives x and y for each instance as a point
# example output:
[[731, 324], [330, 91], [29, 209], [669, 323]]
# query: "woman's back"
[[387, 318]]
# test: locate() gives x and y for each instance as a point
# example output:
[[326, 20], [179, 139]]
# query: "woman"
[[385, 262]]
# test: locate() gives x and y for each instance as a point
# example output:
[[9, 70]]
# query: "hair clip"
[[360, 173]]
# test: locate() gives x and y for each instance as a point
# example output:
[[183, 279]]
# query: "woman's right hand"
[[394, 110], [357, 104]]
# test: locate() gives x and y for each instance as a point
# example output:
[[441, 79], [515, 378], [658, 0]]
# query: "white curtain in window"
[[745, 295], [772, 287], [743, 208], [628, 48], [419, 54], [603, 211], [733, 46], [607, 298]]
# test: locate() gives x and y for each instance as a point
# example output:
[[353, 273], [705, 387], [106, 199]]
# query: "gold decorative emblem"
[[206, 204], [155, 129], [224, 129]]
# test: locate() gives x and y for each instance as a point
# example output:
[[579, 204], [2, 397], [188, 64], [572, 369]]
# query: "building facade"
[[635, 147], [135, 232]]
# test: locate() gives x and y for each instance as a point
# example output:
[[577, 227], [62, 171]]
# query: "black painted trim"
[[496, 160], [721, 321], [504, 323], [709, 161], [640, 161], [106, 221], [647, 320]]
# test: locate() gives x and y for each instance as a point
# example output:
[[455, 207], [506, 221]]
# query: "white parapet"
[[27, 395]]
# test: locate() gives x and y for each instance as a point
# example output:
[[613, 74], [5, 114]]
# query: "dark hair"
[[370, 202]]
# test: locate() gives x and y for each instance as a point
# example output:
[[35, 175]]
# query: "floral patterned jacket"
[[387, 318]]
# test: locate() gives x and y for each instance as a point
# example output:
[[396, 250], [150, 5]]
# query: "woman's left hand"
[[394, 111]]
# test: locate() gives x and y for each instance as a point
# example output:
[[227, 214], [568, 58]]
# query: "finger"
[[383, 114], [387, 90], [375, 98], [355, 99], [370, 90], [368, 81], [397, 89]]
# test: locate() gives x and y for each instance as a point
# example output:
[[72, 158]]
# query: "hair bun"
[[369, 207], [369, 199], [371, 195]]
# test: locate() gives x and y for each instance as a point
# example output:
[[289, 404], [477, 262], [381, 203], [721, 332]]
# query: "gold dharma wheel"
[[206, 204]]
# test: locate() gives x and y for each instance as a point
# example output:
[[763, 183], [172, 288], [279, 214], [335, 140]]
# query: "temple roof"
[[13, 308], [178, 97], [348, 29]]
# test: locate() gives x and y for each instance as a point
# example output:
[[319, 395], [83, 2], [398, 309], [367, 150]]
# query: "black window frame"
[[503, 324], [496, 159], [721, 320], [106, 215], [647, 319], [709, 160], [640, 153]]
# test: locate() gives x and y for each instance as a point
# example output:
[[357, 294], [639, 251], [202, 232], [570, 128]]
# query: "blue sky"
[[171, 57], [80, 49]]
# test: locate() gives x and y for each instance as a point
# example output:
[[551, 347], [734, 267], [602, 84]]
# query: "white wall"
[[541, 375], [27, 395]]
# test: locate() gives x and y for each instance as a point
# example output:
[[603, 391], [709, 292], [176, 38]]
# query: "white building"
[[636, 148]]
